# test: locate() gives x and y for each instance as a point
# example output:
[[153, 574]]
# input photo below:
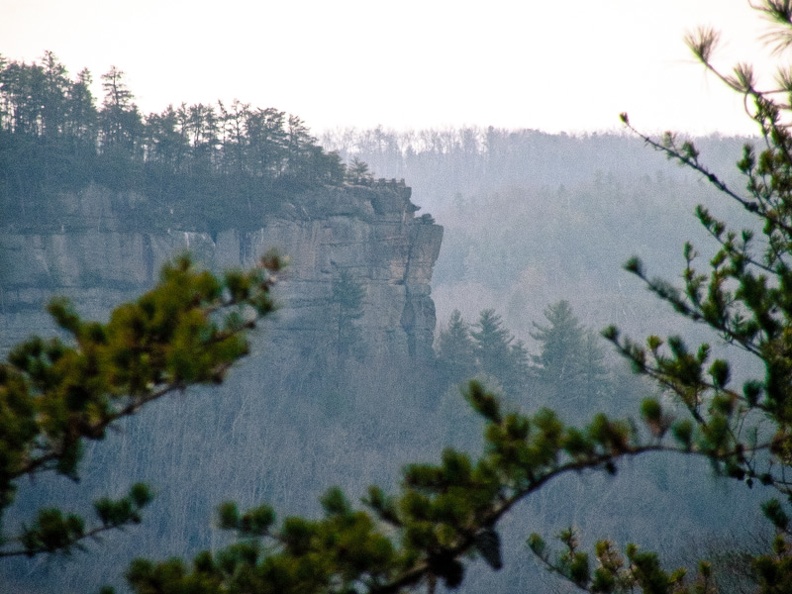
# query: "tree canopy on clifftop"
[[219, 160]]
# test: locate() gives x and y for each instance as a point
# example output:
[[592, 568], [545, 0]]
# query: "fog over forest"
[[360, 371], [531, 218]]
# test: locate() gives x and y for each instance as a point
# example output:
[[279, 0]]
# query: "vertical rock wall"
[[369, 231]]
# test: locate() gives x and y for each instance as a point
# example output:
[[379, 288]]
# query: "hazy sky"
[[568, 65]]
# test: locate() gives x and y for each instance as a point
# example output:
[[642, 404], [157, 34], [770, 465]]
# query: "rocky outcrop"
[[98, 259]]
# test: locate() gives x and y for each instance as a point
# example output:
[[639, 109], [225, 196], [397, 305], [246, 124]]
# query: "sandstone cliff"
[[93, 254]]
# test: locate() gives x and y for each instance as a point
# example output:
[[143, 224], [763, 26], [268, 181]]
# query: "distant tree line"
[[55, 136], [442, 163]]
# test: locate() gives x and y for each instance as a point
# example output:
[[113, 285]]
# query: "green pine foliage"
[[569, 368], [742, 295], [559, 361], [455, 350], [202, 165], [487, 350], [492, 342], [571, 360], [56, 394]]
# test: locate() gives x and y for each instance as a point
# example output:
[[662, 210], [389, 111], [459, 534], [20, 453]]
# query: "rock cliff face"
[[98, 259]]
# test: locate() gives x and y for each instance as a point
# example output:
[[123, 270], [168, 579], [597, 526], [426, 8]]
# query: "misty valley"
[[416, 261]]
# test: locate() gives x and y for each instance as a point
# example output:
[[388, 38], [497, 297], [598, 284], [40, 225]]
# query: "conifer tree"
[[594, 375], [81, 113], [55, 89], [121, 123], [570, 359], [455, 351], [487, 350], [358, 172], [517, 382], [492, 344], [560, 342]]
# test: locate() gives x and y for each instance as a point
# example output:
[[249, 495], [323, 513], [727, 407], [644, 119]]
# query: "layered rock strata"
[[98, 259]]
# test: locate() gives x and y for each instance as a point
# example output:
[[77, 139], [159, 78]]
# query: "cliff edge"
[[95, 255]]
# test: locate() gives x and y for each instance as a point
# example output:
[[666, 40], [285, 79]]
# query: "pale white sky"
[[568, 65]]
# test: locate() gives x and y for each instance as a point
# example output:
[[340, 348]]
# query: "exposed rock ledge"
[[370, 231]]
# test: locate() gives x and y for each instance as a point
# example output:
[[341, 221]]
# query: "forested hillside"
[[537, 228]]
